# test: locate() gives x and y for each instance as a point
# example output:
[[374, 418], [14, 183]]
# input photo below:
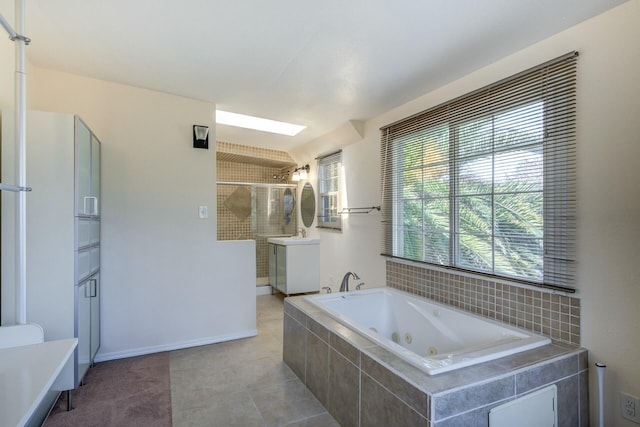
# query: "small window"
[[329, 191]]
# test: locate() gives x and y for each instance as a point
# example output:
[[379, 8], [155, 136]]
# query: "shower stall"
[[256, 211]]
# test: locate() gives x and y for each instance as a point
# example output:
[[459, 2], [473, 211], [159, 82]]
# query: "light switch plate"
[[203, 212]]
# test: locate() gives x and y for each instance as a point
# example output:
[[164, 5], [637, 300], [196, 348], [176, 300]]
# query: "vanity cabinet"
[[294, 268], [277, 267], [63, 234]]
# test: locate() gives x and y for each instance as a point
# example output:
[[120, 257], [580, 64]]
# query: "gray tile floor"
[[244, 382]]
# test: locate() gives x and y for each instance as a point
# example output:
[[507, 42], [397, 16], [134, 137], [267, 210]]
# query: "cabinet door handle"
[[93, 206], [93, 290]]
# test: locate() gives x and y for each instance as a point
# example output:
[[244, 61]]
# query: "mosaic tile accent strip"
[[265, 154], [553, 315], [246, 172]]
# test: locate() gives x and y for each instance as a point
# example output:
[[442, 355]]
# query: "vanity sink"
[[293, 240]]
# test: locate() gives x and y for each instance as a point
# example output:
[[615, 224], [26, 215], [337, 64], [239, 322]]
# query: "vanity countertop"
[[293, 240]]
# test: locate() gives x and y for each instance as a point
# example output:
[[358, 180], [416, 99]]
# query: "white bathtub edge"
[[430, 366]]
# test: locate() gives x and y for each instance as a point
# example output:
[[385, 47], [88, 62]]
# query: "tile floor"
[[244, 382]]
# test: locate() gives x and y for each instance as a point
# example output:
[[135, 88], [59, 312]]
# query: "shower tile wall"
[[230, 227], [245, 172], [252, 152], [552, 315]]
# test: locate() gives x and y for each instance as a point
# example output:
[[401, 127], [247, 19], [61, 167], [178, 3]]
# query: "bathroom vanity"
[[294, 264]]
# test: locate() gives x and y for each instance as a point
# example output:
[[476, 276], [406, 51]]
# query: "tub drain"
[[432, 351], [394, 337]]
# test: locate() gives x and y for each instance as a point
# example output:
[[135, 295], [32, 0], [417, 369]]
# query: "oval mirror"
[[288, 205], [307, 205]]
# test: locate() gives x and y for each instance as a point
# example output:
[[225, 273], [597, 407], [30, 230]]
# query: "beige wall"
[[166, 282], [609, 188], [357, 247]]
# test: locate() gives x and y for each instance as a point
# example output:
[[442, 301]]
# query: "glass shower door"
[[256, 211]]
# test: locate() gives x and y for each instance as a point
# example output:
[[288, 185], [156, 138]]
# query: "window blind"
[[487, 182]]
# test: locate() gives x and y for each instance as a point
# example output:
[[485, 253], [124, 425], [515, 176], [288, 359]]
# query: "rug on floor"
[[128, 392]]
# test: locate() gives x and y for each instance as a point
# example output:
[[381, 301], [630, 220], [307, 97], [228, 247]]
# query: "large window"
[[329, 191], [486, 182]]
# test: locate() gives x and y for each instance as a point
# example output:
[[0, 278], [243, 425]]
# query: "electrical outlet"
[[630, 407]]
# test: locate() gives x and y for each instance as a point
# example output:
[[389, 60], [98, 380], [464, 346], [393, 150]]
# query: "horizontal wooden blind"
[[487, 182]]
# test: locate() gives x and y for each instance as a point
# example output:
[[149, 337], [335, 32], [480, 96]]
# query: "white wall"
[[166, 282], [609, 188], [7, 67], [357, 247], [142, 281]]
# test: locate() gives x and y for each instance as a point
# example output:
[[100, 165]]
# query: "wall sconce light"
[[304, 172], [300, 173], [200, 136]]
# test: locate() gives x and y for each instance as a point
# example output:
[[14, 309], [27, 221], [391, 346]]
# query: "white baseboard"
[[263, 290], [103, 357]]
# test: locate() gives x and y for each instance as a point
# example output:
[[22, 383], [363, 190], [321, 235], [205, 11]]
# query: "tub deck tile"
[[393, 391], [344, 390], [440, 383], [318, 329], [380, 407], [345, 349], [317, 367], [569, 401], [293, 311], [583, 360], [474, 397], [583, 391], [293, 351], [302, 305], [546, 373], [534, 356], [405, 391]]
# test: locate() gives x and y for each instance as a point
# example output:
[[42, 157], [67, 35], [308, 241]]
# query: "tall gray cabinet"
[[63, 233]]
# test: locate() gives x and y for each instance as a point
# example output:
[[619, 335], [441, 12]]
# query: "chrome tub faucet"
[[344, 287]]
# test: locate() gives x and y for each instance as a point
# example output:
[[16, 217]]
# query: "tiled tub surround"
[[540, 311], [362, 384]]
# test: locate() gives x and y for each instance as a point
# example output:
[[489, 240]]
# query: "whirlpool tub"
[[433, 337]]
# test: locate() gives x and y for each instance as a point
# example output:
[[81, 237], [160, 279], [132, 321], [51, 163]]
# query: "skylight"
[[257, 123]]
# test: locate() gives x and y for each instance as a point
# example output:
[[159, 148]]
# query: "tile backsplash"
[[543, 312]]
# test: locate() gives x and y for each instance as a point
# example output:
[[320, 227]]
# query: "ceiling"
[[314, 63]]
